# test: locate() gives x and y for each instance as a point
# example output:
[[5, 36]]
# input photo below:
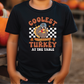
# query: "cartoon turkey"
[[41, 31]]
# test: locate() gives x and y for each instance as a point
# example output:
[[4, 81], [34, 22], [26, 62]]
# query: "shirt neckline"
[[40, 11]]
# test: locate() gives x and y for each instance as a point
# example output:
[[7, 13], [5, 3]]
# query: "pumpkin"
[[1, 6], [73, 4], [1, 12], [81, 5], [3, 22]]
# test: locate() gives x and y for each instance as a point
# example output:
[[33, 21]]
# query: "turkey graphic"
[[42, 30], [41, 34]]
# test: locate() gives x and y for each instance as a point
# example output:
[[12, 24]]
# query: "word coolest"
[[38, 19], [42, 44]]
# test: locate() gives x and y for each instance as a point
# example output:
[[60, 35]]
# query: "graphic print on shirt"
[[43, 36]]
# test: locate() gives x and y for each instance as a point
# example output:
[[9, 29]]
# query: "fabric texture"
[[40, 38], [29, 82]]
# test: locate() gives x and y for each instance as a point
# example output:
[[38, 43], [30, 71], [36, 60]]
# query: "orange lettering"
[[42, 20], [54, 23], [30, 23], [36, 45], [34, 20], [47, 19], [49, 44], [38, 19], [45, 44], [40, 44], [50, 22], [31, 44], [54, 44]]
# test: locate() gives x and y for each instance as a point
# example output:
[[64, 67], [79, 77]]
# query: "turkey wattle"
[[42, 30]]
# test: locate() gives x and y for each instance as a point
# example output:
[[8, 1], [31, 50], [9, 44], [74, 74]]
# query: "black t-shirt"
[[40, 38]]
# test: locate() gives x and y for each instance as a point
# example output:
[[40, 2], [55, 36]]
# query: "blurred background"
[[76, 73]]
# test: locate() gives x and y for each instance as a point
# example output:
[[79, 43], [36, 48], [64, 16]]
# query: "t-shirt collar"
[[40, 11]]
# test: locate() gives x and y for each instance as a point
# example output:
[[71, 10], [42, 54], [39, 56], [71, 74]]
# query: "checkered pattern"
[[51, 33]]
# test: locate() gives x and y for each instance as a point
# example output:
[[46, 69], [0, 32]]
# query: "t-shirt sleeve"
[[70, 26], [12, 23]]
